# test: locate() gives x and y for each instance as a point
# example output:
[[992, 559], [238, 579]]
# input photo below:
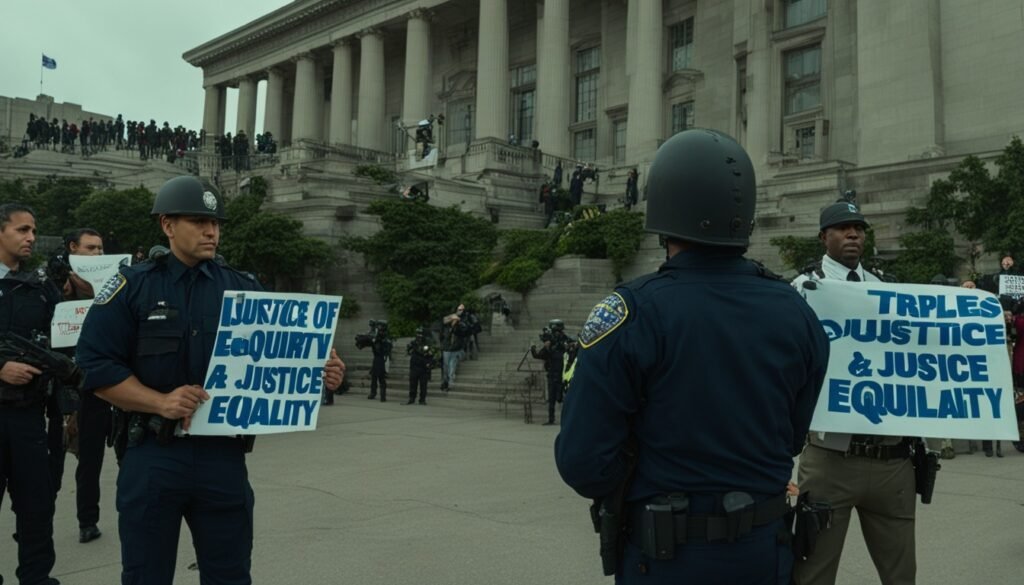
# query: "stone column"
[[211, 109], [553, 74], [370, 128], [222, 105], [305, 95], [416, 98], [341, 94], [274, 106], [645, 123], [246, 115], [492, 71]]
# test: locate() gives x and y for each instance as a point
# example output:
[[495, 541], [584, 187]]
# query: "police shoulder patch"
[[604, 318], [110, 289]]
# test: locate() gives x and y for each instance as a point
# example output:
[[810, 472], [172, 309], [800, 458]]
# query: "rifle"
[[14, 347]]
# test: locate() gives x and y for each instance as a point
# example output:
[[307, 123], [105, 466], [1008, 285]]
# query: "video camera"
[[58, 269], [378, 330], [554, 332]]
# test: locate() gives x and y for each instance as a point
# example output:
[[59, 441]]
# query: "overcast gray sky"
[[120, 56]]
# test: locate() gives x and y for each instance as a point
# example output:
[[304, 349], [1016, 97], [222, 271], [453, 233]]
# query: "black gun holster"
[[806, 520], [926, 468]]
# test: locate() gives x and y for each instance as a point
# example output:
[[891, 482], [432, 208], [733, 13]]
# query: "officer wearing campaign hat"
[[871, 473], [694, 387], [146, 346]]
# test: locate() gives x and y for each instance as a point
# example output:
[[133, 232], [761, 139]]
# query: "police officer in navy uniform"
[[145, 345], [27, 301], [705, 374]]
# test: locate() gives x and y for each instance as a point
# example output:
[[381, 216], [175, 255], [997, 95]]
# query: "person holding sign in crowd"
[[91, 423], [676, 410], [146, 345], [27, 301], [874, 474]]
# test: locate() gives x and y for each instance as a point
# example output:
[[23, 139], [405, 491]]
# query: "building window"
[[682, 117], [803, 79], [524, 81], [681, 45], [805, 142], [585, 145], [802, 11], [619, 144], [459, 122], [588, 67]]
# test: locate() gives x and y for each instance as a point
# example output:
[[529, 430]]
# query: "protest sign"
[[67, 321], [97, 270], [1011, 285], [265, 375], [914, 360]]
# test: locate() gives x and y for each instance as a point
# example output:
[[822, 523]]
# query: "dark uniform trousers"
[[555, 386], [93, 428], [883, 493], [202, 479], [418, 379], [24, 459], [378, 375]]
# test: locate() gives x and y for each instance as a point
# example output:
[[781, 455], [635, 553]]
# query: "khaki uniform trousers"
[[883, 494]]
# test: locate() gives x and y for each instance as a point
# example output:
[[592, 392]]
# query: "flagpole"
[[40, 77]]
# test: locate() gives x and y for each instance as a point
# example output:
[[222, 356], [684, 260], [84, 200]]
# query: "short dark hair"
[[75, 237], [9, 209]]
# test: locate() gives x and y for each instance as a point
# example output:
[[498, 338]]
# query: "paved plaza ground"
[[388, 494]]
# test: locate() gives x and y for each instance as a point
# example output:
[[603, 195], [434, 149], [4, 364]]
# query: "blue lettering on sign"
[[902, 332], [273, 345], [245, 411], [875, 401], [929, 367], [935, 306], [272, 312]]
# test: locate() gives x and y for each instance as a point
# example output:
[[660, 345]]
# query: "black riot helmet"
[[701, 188], [187, 195]]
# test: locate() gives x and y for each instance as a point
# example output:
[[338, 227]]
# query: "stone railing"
[[203, 163], [492, 153], [307, 150]]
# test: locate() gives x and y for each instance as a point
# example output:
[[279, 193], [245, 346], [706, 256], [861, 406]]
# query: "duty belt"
[[687, 527], [880, 452]]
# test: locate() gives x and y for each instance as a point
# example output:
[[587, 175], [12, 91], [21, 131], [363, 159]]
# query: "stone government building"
[[827, 95]]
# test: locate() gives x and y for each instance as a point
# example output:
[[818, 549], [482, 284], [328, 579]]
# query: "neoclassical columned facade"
[[825, 95], [521, 70]]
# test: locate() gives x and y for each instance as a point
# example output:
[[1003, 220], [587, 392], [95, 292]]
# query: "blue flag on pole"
[[49, 63]]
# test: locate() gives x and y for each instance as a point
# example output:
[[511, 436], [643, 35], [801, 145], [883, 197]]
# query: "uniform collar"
[[704, 257], [179, 269], [837, 270], [4, 270]]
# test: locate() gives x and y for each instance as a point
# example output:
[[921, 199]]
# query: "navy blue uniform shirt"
[[729, 364], [158, 321]]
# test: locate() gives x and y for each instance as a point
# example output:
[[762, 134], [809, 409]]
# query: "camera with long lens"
[[58, 269], [554, 332], [378, 330]]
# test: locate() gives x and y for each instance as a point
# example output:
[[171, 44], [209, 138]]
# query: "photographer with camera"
[[453, 344], [422, 357], [556, 344], [377, 340]]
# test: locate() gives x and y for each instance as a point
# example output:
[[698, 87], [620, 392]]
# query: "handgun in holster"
[[609, 514], [807, 519], [926, 468]]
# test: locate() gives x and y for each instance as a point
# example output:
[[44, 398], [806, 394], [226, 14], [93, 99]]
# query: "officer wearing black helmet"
[[421, 360], [694, 388], [872, 473], [146, 345]]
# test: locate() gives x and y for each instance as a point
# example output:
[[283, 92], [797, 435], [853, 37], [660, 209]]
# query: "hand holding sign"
[[182, 403], [334, 372]]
